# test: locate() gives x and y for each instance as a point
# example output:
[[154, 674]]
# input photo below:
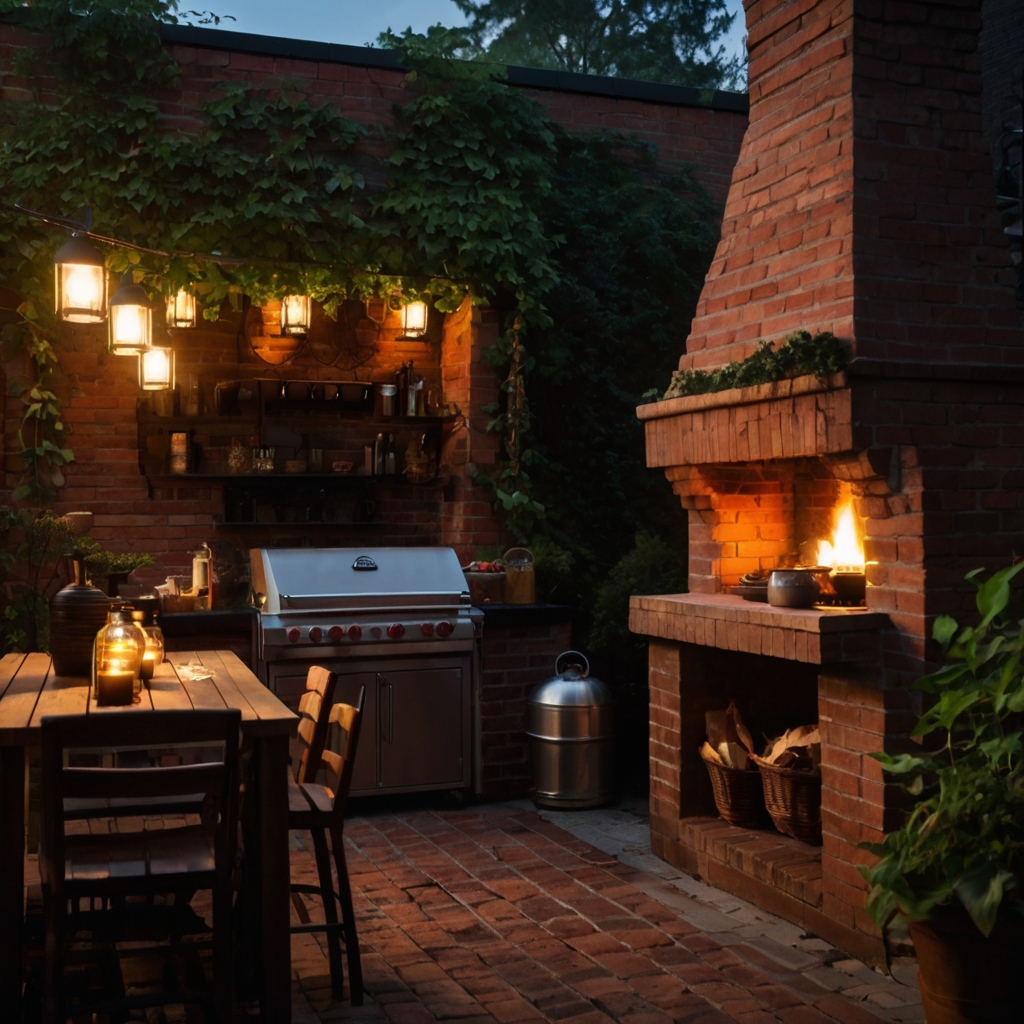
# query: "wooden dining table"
[[30, 690]]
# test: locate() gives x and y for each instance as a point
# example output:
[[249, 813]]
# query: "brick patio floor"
[[495, 914]]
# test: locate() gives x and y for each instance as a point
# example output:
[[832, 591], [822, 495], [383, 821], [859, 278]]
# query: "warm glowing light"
[[156, 369], [295, 314], [131, 319], [844, 552], [414, 319], [80, 280], [181, 309]]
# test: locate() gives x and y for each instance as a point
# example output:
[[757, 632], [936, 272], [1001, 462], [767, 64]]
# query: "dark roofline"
[[532, 78]]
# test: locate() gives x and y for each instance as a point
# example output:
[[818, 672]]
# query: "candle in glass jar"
[[115, 686]]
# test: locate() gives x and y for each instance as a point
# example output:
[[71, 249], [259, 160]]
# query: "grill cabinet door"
[[423, 728]]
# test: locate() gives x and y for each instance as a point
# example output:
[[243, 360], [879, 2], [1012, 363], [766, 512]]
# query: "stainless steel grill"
[[397, 621]]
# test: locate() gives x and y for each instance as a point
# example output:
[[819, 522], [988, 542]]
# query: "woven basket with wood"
[[739, 795], [793, 799]]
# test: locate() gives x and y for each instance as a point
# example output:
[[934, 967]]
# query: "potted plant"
[[955, 869], [111, 568]]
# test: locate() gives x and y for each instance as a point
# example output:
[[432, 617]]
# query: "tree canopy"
[[673, 41]]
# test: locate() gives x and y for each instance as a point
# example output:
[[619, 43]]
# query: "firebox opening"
[[781, 514]]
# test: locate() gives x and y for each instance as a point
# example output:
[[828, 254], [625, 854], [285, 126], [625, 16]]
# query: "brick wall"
[[101, 391], [862, 200]]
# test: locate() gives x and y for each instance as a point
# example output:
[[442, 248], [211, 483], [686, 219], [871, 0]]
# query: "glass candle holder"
[[117, 660], [154, 652]]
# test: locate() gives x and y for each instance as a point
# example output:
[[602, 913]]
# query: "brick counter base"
[[519, 650]]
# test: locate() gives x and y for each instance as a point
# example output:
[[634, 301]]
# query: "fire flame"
[[844, 553]]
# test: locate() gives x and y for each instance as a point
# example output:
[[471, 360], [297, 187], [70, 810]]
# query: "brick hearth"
[[862, 203]]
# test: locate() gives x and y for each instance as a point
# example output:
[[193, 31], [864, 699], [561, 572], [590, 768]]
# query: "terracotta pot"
[[966, 978]]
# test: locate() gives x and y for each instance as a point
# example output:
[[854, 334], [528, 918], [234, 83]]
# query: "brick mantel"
[[813, 635]]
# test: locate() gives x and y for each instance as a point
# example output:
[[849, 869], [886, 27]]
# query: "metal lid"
[[324, 578], [574, 687]]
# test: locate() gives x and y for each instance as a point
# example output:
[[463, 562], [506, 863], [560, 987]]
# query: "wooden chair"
[[321, 810], [314, 722], [111, 866]]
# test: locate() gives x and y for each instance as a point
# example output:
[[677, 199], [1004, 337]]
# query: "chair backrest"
[[339, 764], [80, 779], [314, 720]]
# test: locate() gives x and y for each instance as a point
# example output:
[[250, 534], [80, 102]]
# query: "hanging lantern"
[[295, 314], [181, 309], [156, 369], [80, 280], [131, 319], [414, 319]]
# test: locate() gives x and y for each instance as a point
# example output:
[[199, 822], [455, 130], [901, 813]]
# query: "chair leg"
[[223, 952], [53, 984], [323, 870], [348, 917]]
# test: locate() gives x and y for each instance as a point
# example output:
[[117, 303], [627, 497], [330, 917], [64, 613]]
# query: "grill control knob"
[[396, 631], [445, 629], [427, 628], [316, 634], [355, 632], [293, 634], [335, 633], [376, 631]]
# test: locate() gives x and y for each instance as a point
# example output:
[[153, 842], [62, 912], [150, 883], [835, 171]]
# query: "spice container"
[[263, 460], [179, 459], [388, 394], [238, 456]]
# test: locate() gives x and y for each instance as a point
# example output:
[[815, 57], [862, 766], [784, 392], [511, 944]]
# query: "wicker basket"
[[739, 795], [793, 800]]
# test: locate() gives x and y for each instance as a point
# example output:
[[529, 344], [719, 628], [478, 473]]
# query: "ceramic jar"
[[76, 613]]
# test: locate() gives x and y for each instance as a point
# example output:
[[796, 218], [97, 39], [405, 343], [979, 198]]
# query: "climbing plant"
[[586, 251]]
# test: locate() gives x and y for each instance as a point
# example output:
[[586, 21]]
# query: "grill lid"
[[324, 578]]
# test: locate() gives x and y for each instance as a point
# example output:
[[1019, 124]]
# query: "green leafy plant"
[[106, 563], [823, 354], [35, 542], [963, 841]]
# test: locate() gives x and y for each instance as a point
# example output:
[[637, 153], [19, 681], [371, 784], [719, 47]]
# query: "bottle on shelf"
[[378, 456], [390, 456], [401, 383], [202, 577], [410, 391]]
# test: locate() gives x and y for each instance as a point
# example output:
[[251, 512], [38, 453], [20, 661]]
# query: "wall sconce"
[[80, 280], [181, 309], [295, 314], [156, 369], [414, 320], [131, 319]]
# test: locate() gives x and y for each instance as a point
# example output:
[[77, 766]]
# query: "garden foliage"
[[964, 839]]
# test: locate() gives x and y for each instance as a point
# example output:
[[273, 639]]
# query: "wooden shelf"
[[392, 528], [191, 479]]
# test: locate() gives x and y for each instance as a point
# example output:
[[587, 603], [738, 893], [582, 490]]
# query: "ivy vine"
[[800, 353]]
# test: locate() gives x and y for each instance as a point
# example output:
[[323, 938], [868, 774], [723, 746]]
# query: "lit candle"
[[115, 686]]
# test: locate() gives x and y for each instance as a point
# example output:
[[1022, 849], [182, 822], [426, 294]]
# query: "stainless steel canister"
[[570, 724]]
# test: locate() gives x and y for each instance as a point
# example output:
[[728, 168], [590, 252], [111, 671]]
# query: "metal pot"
[[570, 722], [792, 588]]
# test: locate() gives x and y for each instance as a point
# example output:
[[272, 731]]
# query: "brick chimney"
[[862, 200], [862, 203]]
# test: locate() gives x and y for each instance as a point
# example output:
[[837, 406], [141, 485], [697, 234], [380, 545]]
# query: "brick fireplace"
[[862, 203]]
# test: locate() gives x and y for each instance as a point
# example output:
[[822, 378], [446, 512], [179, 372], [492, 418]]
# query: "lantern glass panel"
[[414, 319], [156, 369], [295, 314], [81, 293], [181, 309], [131, 329]]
